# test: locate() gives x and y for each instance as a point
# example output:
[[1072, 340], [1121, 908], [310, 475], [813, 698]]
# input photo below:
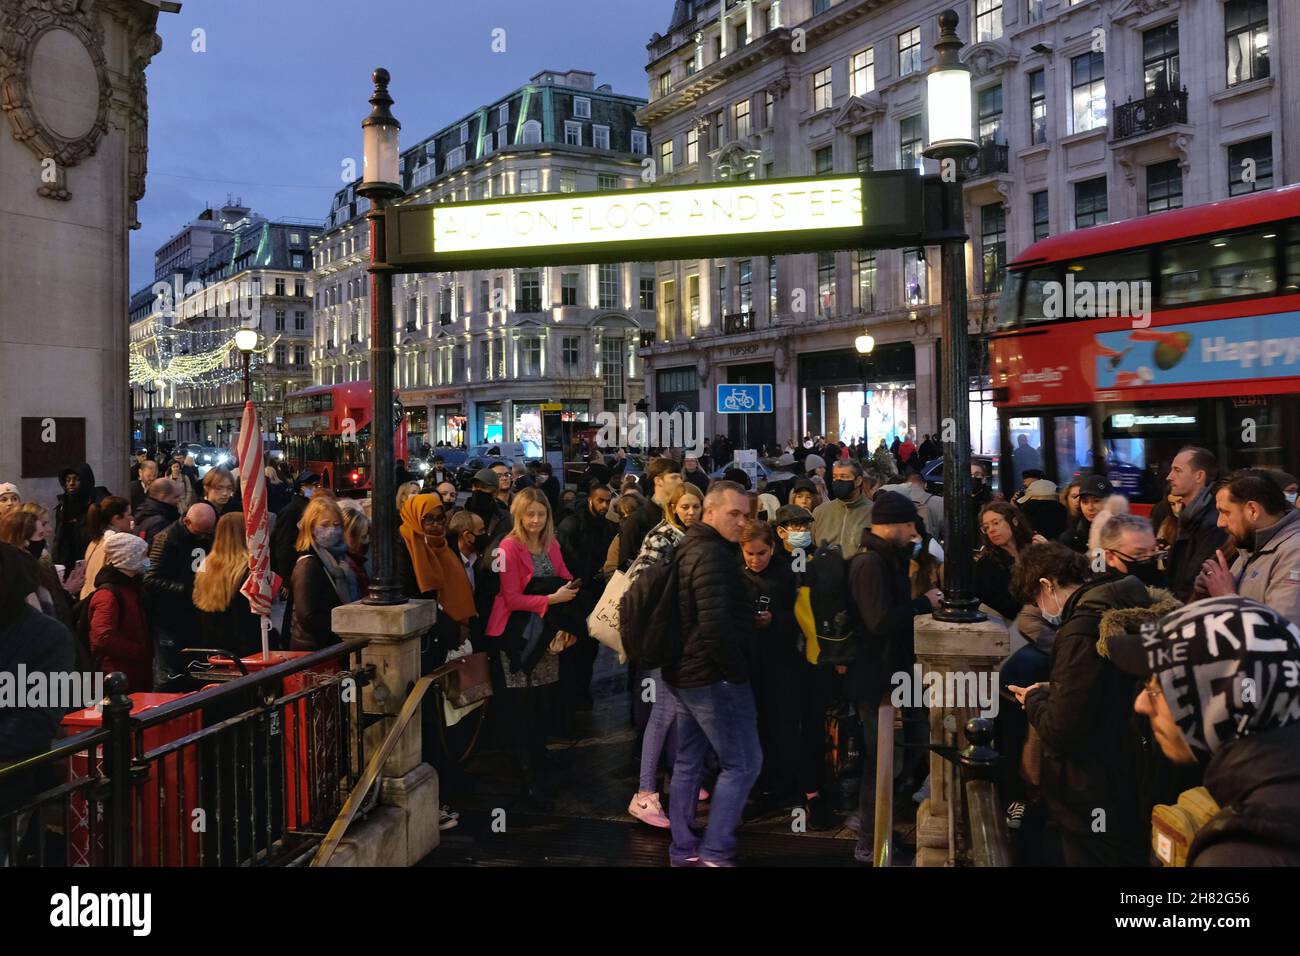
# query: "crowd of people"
[[793, 606]]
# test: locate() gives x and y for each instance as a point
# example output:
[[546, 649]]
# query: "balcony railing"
[[738, 322], [1150, 113], [411, 325], [648, 339], [992, 158], [444, 318]]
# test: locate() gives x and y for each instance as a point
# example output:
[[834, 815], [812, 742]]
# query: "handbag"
[[527, 635], [602, 622]]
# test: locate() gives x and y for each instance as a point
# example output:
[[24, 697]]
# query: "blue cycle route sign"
[[744, 399]]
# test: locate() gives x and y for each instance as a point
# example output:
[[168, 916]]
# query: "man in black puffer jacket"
[[1227, 666], [711, 681], [174, 623]]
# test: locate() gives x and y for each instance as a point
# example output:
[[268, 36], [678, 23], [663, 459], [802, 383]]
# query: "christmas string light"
[[181, 363]]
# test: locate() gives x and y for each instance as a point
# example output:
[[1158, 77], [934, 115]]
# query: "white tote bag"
[[602, 623]]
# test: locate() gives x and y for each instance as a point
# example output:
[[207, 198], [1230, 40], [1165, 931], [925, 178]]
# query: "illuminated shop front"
[[849, 398]]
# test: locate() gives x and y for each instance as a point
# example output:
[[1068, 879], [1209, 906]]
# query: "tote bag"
[[602, 623]]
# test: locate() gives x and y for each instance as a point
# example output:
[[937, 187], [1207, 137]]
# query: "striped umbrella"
[[252, 483]]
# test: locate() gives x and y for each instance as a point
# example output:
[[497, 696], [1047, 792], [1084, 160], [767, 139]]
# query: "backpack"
[[650, 619], [827, 579], [81, 619]]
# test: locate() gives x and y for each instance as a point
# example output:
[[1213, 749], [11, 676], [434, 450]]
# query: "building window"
[[532, 132], [582, 107], [1245, 24], [1088, 90], [529, 298], [611, 366], [909, 51], [606, 181], [300, 355], [484, 295], [915, 280], [666, 157], [530, 180], [503, 114], [609, 286], [989, 109], [668, 316], [455, 158], [499, 358], [571, 354], [864, 281], [300, 321], [771, 288], [1164, 186], [600, 137], [569, 288], [866, 152], [297, 261], [665, 82], [1160, 59], [746, 286], [279, 286], [1036, 10], [988, 20], [281, 355], [530, 356], [1042, 217], [719, 129], [639, 142], [863, 67], [909, 143], [279, 320], [724, 300], [463, 132], [740, 113], [823, 91], [485, 359], [692, 146], [1090, 205], [693, 300], [823, 161], [825, 283], [1250, 166], [299, 288], [1037, 107], [647, 293], [572, 133], [769, 110], [993, 244], [568, 180], [821, 6]]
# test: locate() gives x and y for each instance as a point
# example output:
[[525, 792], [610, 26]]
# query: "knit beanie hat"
[[126, 552], [889, 507]]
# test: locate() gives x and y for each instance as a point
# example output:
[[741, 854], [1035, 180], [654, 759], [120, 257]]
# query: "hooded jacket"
[[1199, 536], [1256, 781], [153, 516], [1097, 752], [1270, 572], [119, 636], [881, 593], [70, 515], [842, 523], [717, 626], [584, 538]]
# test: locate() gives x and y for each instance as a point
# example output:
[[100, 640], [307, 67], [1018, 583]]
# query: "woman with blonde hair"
[[226, 619], [533, 579], [28, 527], [406, 490], [322, 579]]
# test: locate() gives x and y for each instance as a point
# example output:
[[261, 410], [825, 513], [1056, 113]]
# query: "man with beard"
[[1199, 536], [174, 558], [585, 537], [79, 493]]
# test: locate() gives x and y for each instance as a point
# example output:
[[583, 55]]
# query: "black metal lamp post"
[[246, 342], [381, 183], [948, 114], [149, 441], [865, 344]]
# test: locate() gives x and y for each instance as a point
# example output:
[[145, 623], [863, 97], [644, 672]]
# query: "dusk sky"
[[270, 111]]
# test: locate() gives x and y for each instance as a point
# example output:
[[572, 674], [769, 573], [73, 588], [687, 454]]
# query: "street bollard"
[[979, 762]]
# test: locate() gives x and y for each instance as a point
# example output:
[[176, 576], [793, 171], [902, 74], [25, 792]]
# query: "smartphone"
[[575, 584], [763, 603]]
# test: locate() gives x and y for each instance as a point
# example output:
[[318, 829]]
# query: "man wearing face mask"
[[980, 492], [484, 502], [1096, 763], [1190, 476], [842, 520], [447, 492], [585, 537], [284, 535], [1254, 511], [174, 622]]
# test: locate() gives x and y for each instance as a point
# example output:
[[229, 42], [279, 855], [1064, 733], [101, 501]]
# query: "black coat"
[[885, 611], [284, 537], [41, 644], [1199, 536], [314, 599], [152, 516], [584, 540], [1046, 516], [169, 582], [1075, 535], [992, 581], [69, 542], [717, 624], [236, 629], [635, 527], [1256, 782], [698, 478]]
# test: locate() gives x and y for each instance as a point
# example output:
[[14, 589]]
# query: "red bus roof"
[[347, 388], [1239, 212]]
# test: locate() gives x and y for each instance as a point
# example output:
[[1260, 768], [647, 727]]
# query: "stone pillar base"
[[416, 794]]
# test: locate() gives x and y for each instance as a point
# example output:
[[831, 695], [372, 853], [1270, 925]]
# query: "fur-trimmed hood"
[[1129, 620]]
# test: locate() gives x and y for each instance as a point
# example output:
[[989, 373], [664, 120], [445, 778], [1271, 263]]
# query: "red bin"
[[175, 807]]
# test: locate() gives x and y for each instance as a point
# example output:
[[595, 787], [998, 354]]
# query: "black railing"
[[648, 339], [992, 158], [248, 772], [444, 318], [738, 322], [1150, 113], [411, 325]]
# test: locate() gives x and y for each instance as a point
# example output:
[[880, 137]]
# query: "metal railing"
[[247, 772], [1150, 113], [992, 158], [738, 322]]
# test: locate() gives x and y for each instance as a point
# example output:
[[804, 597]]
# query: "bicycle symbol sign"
[[744, 399]]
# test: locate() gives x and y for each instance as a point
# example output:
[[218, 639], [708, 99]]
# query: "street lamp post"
[[149, 442], [865, 344], [948, 114], [246, 342], [381, 183]]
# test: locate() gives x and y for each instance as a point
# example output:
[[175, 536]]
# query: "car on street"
[[933, 473]]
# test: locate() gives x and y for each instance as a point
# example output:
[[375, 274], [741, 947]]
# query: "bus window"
[[1073, 440], [1218, 267], [1292, 257], [1026, 448], [1009, 303], [1034, 281], [1131, 266]]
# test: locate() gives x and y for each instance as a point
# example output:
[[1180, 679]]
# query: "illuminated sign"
[[1132, 421], [772, 216]]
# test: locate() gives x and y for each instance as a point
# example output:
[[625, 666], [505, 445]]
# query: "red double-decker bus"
[[1121, 343], [327, 429]]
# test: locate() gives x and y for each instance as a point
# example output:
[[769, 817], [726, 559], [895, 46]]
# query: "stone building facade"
[[479, 351], [75, 143], [1087, 111]]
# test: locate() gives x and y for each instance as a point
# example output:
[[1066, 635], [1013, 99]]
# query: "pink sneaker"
[[646, 808]]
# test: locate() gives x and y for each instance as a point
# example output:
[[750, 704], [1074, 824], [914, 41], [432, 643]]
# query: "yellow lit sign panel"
[[649, 215]]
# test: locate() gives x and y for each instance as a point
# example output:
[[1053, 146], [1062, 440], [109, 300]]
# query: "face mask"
[[976, 484], [480, 543], [1290, 497], [1052, 619], [916, 549], [145, 565], [799, 539], [37, 548], [307, 492], [842, 490], [328, 536], [1148, 572]]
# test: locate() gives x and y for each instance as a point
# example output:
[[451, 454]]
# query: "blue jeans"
[[722, 715], [660, 733]]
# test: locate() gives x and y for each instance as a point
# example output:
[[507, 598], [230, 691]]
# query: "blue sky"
[[272, 108]]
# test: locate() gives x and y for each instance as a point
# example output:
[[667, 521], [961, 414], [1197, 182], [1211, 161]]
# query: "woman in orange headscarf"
[[427, 567]]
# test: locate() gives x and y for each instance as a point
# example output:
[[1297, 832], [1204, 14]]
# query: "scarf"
[[342, 577], [437, 568]]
